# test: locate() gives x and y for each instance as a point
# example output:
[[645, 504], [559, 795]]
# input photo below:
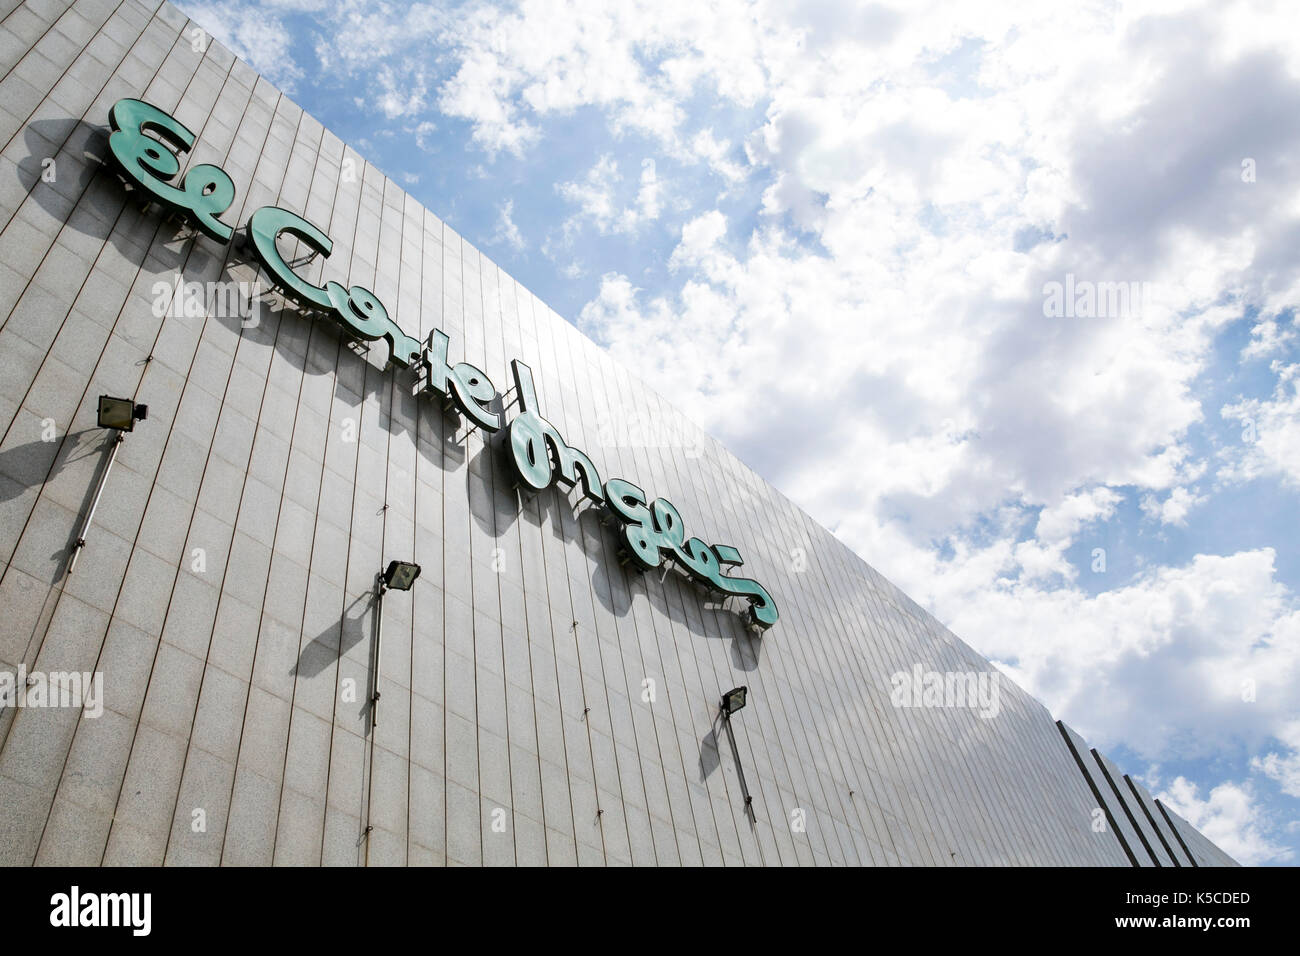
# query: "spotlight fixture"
[[733, 700], [120, 413], [400, 575]]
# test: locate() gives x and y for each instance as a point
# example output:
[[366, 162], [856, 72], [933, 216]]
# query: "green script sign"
[[649, 531]]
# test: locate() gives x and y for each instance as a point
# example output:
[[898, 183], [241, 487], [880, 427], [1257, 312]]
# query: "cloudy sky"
[[907, 226]]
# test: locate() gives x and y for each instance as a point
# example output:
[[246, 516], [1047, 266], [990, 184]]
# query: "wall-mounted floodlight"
[[733, 700], [120, 413], [400, 575]]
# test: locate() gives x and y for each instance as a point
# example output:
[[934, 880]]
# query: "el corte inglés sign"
[[650, 531]]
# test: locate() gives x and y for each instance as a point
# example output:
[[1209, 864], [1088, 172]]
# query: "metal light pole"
[[399, 575], [119, 414], [732, 701], [99, 491], [380, 588]]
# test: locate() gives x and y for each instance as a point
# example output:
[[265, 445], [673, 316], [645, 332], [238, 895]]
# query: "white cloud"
[[507, 232], [1044, 555], [260, 40], [1174, 509], [1283, 767], [648, 202], [477, 92], [398, 95], [423, 132], [1182, 662], [638, 62], [596, 196], [1269, 337], [716, 153], [898, 376], [1062, 521], [1270, 431]]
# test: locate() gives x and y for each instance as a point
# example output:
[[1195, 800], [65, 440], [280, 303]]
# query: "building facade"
[[207, 671]]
